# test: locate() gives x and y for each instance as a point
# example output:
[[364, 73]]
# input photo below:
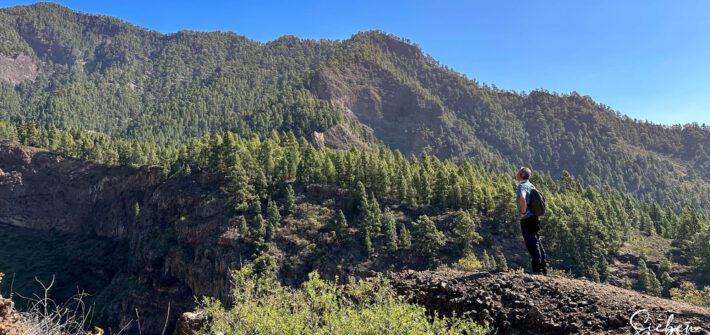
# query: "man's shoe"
[[535, 267]]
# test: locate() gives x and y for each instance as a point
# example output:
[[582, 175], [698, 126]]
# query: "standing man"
[[529, 222]]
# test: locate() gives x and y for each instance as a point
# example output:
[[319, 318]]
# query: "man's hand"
[[523, 204]]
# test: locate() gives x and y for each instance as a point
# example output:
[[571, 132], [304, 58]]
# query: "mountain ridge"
[[370, 88]]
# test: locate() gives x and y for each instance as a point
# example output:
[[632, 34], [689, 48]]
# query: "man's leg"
[[531, 242], [543, 258]]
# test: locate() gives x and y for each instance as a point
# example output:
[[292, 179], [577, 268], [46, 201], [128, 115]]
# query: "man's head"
[[523, 174]]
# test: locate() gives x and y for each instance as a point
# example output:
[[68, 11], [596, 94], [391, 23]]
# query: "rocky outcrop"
[[517, 303], [175, 231], [399, 114], [18, 69]]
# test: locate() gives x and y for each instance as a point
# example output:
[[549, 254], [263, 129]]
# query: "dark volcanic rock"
[[526, 304], [176, 230]]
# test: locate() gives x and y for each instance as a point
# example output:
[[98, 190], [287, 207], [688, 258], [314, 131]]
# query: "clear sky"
[[645, 58]]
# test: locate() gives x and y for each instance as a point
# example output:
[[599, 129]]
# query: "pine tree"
[[602, 267], [375, 215], [502, 263], [367, 241], [364, 210], [239, 186], [361, 203], [486, 260], [255, 207], [405, 238], [463, 230], [272, 214], [665, 265], [666, 281], [261, 184], [270, 232], [655, 286], [427, 240], [642, 273], [259, 232], [424, 189], [340, 226], [243, 227], [388, 222], [441, 189], [688, 225], [290, 199]]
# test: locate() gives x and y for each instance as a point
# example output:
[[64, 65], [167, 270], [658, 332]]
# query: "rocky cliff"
[[159, 243]]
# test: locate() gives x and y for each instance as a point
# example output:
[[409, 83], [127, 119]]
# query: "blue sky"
[[647, 59]]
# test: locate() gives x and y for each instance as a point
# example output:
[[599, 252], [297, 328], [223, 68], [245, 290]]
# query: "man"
[[529, 222]]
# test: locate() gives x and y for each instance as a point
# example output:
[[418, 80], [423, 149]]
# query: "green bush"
[[263, 306], [687, 292], [469, 262]]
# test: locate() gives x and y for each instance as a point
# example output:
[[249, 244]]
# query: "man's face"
[[517, 177]]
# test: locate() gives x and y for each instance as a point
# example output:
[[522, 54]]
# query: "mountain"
[[78, 71]]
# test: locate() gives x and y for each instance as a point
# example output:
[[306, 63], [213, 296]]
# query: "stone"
[[535, 314], [189, 323]]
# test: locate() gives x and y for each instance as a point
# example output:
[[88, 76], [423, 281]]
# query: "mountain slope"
[[73, 70]]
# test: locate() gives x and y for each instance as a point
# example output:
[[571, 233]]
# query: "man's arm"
[[523, 203]]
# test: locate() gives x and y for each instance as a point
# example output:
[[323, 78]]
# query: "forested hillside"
[[381, 195], [75, 71]]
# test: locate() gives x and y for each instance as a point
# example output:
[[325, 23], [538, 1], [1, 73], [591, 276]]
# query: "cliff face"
[[169, 240], [398, 115]]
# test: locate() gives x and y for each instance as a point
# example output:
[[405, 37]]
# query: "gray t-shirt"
[[524, 186]]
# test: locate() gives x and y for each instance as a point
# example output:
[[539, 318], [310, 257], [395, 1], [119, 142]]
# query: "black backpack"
[[537, 202]]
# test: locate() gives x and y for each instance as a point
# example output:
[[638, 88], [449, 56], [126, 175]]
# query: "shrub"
[[687, 292], [468, 263], [263, 306]]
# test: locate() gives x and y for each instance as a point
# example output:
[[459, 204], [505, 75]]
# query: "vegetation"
[[113, 93], [584, 228], [687, 292], [262, 306], [107, 76]]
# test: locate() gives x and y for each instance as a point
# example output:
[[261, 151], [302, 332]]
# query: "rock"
[[573, 327], [535, 314], [616, 321], [42, 193], [189, 323], [550, 325]]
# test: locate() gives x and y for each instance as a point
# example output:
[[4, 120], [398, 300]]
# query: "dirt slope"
[[516, 303]]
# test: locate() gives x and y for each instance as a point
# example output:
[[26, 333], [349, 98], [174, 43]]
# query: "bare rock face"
[[397, 113], [18, 69], [516, 303], [171, 228]]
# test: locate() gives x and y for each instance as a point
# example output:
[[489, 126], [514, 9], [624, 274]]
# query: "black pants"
[[531, 227]]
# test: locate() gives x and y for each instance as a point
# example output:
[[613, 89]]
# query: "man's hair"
[[525, 172]]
